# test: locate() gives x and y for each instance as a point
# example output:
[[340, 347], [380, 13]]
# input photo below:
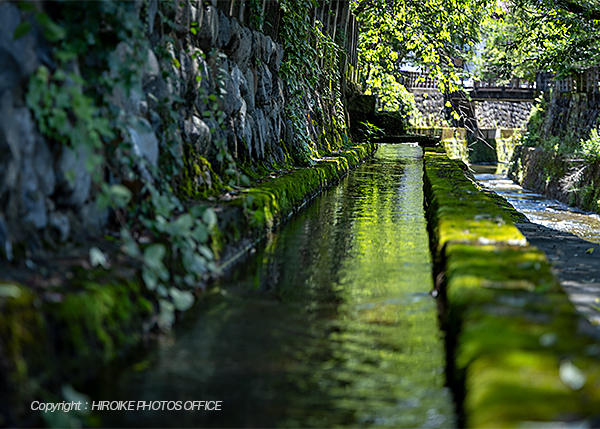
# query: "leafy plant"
[[590, 147]]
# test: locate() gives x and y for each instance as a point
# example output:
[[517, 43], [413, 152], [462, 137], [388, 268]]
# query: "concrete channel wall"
[[516, 351], [483, 145]]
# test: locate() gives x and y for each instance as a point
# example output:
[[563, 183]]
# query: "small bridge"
[[515, 91]]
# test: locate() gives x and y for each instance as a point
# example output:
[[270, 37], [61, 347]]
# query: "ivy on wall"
[[305, 48]]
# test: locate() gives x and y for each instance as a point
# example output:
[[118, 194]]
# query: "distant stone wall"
[[571, 116], [502, 114], [431, 106]]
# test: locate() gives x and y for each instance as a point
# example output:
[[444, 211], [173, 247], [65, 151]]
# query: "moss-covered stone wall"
[[515, 354]]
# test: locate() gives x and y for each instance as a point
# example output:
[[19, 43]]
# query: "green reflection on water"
[[330, 325]]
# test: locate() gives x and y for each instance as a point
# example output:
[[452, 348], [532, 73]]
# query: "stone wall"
[[502, 114], [48, 195], [570, 116], [432, 111], [430, 104]]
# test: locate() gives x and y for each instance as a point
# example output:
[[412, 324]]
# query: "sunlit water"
[[332, 324], [538, 209]]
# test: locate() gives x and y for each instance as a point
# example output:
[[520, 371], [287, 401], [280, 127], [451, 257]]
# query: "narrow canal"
[[331, 323]]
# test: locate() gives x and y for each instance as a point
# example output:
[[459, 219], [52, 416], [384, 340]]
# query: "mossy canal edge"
[[515, 350]]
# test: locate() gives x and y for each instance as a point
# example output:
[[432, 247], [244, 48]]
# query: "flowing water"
[[539, 209], [330, 324]]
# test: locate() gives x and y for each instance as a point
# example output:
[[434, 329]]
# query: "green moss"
[[84, 324], [97, 321], [196, 180], [271, 201], [458, 211], [509, 325]]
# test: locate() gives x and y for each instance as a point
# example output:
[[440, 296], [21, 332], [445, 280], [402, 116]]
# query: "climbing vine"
[[305, 48]]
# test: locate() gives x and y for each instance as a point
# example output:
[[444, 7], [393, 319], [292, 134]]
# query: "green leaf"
[[166, 314], [182, 299], [8, 290], [97, 257], [210, 218], [52, 31], [206, 252], [120, 195], [200, 233], [22, 29], [150, 279], [154, 254], [184, 223], [72, 395], [571, 375]]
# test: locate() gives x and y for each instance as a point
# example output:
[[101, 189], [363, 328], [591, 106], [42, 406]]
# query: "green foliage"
[[372, 130], [394, 95], [535, 122], [590, 147], [434, 34], [311, 63], [66, 115], [527, 36]]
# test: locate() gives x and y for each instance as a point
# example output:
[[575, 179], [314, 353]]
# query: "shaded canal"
[[331, 323]]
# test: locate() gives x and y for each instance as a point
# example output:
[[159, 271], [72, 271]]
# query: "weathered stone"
[[187, 68], [278, 94], [18, 57], [230, 137], [202, 71], [209, 31], [127, 100], [242, 54], [151, 71], [144, 141], [10, 72], [265, 85], [183, 13], [5, 243], [43, 168], [93, 220], [33, 206], [224, 30], [60, 223], [268, 47], [233, 98], [73, 180], [198, 134], [260, 138], [240, 122], [156, 122], [257, 43], [248, 134], [250, 96], [233, 43], [239, 81], [276, 58]]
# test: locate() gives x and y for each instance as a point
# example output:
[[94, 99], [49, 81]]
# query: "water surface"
[[539, 209], [330, 324]]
